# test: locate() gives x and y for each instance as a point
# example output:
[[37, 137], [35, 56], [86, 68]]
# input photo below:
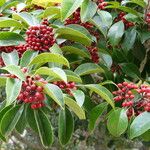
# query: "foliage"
[[57, 56]]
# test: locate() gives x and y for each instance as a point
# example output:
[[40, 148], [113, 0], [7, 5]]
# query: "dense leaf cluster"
[[68, 56]]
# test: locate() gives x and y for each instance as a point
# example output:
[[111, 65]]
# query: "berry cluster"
[[148, 20], [21, 49], [66, 86], [31, 93], [144, 102], [40, 38], [116, 68], [45, 22], [77, 20], [94, 53], [148, 17], [7, 49], [127, 23], [1, 15], [126, 97], [1, 62], [102, 4]]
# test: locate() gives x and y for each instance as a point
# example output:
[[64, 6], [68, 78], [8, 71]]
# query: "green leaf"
[[2, 81], [27, 57], [116, 32], [13, 88], [55, 93], [15, 70], [79, 97], [75, 33], [102, 21], [26, 18], [10, 119], [131, 70], [54, 72], [74, 107], [10, 38], [146, 136], [102, 91], [140, 125], [8, 4], [7, 22], [106, 59], [68, 7], [71, 76], [21, 124], [44, 128], [49, 57], [88, 68], [2, 2], [129, 40], [30, 118], [10, 58], [124, 8], [2, 113], [138, 2], [56, 49], [117, 122], [144, 35], [52, 12], [65, 126], [108, 82], [76, 50], [88, 10], [95, 113]]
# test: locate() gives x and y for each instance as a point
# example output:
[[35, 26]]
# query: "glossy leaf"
[[76, 50], [2, 113], [55, 93], [26, 18], [75, 33], [88, 10], [140, 125], [68, 7], [65, 126], [74, 107], [30, 118], [131, 70], [102, 21], [15, 70], [72, 76], [102, 91], [13, 88], [27, 57], [10, 58], [79, 97], [49, 57], [116, 32], [7, 22], [117, 122], [129, 40], [95, 113], [88, 68], [2, 81], [44, 128], [10, 38], [52, 12], [54, 72], [21, 124], [10, 119]]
